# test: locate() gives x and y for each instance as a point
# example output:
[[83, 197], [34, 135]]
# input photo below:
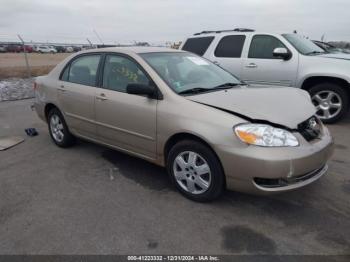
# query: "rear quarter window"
[[198, 45]]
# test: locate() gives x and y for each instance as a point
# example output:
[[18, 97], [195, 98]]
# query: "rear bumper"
[[270, 170]]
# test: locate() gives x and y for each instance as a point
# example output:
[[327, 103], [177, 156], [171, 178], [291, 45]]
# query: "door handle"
[[216, 62], [61, 88], [102, 97], [251, 65]]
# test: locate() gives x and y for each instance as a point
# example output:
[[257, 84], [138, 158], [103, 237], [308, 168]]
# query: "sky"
[[157, 21]]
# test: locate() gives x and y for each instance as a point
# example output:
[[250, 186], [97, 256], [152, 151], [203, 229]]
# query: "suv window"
[[83, 70], [230, 46], [120, 71], [198, 45], [262, 46]]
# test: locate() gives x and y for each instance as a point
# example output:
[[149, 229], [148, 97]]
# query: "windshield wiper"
[[194, 90], [315, 53], [226, 86], [197, 90]]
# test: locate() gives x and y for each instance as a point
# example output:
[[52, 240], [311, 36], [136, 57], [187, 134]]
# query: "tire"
[[187, 175], [325, 96], [59, 132]]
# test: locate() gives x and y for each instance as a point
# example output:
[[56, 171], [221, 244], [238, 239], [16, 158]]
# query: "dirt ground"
[[14, 65]]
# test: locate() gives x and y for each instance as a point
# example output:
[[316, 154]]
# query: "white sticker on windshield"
[[198, 60]]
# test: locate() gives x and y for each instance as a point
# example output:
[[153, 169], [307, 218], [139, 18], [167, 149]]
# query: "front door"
[[261, 67], [125, 120]]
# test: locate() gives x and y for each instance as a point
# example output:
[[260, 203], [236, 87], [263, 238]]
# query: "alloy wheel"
[[192, 172], [56, 128], [328, 104]]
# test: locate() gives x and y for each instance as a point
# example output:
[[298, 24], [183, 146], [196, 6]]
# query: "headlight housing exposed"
[[265, 135]]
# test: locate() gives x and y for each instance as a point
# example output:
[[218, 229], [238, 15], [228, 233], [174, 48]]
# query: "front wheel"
[[331, 101], [195, 171]]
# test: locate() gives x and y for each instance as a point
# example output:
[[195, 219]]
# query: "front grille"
[[310, 129]]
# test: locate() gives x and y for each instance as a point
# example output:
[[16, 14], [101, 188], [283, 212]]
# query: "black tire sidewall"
[[217, 175], [68, 138], [337, 89]]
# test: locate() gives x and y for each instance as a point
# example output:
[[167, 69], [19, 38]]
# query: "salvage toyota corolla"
[[183, 112]]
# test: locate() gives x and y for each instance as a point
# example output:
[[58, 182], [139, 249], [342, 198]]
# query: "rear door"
[[261, 67], [125, 120], [76, 93], [228, 53]]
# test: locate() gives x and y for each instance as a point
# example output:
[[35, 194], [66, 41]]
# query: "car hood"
[[279, 105], [342, 56]]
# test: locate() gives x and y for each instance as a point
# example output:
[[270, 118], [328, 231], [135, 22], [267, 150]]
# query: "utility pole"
[[99, 38], [25, 56], [89, 41]]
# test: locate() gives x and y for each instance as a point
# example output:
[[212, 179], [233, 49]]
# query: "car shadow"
[[138, 170]]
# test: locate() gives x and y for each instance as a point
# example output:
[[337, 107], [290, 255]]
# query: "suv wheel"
[[331, 101], [58, 129], [195, 171]]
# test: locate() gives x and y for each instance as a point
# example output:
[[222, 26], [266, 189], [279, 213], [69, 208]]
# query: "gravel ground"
[[16, 89]]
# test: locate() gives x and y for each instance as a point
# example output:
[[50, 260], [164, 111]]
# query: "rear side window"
[[262, 47], [230, 46], [198, 45], [83, 70]]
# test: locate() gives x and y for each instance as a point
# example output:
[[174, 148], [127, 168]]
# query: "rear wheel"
[[331, 101], [58, 129], [195, 171]]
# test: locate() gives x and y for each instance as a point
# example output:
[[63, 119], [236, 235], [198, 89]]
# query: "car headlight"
[[265, 135]]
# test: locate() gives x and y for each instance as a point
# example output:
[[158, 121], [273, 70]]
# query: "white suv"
[[280, 60], [45, 49]]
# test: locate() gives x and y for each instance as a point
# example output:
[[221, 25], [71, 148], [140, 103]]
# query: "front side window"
[[198, 45], [183, 71], [83, 70], [120, 71], [230, 46], [303, 45], [262, 47]]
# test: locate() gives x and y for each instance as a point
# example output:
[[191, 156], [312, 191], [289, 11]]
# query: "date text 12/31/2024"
[[173, 258]]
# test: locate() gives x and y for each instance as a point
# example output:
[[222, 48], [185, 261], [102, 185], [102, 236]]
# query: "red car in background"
[[19, 48], [27, 48], [13, 48]]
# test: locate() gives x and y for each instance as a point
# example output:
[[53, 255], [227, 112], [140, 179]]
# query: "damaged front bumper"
[[264, 170], [284, 184]]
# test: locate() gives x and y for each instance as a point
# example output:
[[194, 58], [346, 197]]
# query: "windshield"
[[303, 45], [185, 71]]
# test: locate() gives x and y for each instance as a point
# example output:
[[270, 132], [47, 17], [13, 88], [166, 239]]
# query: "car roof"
[[132, 49]]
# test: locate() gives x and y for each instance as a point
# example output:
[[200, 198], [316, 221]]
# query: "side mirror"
[[141, 89], [282, 52]]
